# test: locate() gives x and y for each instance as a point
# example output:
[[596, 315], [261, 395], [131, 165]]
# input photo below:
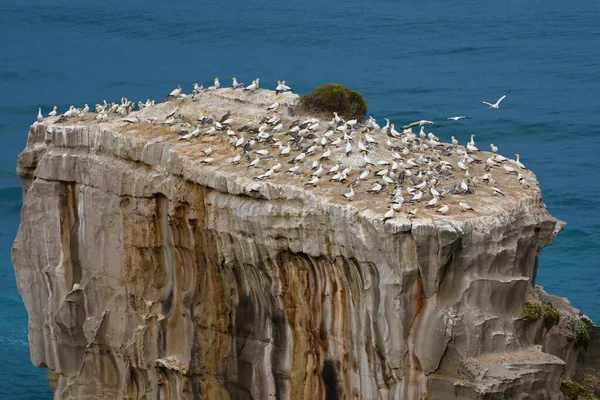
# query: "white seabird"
[[40, 117], [176, 92], [418, 123], [496, 105], [350, 194], [252, 86], [457, 118], [53, 112], [443, 209], [217, 84], [464, 206]]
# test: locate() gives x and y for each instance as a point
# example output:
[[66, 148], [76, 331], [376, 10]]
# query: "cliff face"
[[148, 274]]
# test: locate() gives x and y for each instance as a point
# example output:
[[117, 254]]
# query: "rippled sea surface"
[[410, 59]]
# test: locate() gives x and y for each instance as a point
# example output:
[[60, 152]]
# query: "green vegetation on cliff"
[[333, 97]]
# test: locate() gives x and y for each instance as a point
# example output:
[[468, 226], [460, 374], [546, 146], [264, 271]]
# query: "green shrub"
[[531, 311], [576, 391], [333, 97], [551, 315], [580, 331]]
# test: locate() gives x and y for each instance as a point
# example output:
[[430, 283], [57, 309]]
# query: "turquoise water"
[[410, 59]]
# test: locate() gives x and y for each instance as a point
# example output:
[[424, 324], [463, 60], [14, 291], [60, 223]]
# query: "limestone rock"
[[148, 274]]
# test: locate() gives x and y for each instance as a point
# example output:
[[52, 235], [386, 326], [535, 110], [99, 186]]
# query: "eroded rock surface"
[[147, 274]]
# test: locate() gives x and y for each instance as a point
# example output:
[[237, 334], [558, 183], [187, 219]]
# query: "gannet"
[[509, 170], [496, 105], [318, 172], [279, 88], [313, 181], [40, 117], [350, 194], [208, 160], [495, 190], [240, 141], [265, 175], [376, 188], [518, 162], [389, 214], [432, 202], [217, 84], [252, 86], [273, 107], [235, 84], [443, 209], [334, 169], [169, 121], [176, 92], [294, 169], [70, 111], [85, 109], [53, 112], [236, 159], [493, 148], [471, 146], [393, 131], [418, 123], [364, 175], [417, 197], [361, 146], [276, 167], [457, 118], [193, 134], [325, 155], [464, 206], [367, 160], [254, 162], [464, 186], [412, 213], [285, 87], [387, 180], [300, 157]]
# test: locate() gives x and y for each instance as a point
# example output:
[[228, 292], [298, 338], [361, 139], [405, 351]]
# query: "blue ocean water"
[[411, 60]]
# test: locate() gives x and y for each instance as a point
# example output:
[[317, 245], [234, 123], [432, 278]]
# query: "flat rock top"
[[403, 162]]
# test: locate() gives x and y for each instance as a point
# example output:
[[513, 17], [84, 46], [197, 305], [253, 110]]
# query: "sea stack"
[[150, 271]]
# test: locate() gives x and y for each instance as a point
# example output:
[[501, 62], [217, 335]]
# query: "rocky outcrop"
[[149, 274]]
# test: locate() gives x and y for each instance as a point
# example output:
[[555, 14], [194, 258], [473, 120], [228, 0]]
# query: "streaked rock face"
[[148, 275]]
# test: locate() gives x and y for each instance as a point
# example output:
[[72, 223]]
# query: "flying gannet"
[[496, 105], [457, 118], [419, 123]]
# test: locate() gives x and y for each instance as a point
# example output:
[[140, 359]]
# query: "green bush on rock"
[[576, 391], [580, 331], [531, 311], [333, 97], [551, 315]]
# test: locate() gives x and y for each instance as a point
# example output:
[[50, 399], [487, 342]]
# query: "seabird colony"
[[412, 170]]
